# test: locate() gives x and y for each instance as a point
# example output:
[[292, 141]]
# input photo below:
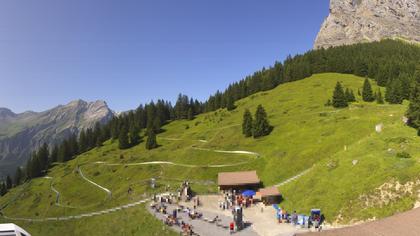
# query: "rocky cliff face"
[[22, 133], [354, 21]]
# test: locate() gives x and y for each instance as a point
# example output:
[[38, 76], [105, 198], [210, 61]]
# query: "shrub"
[[404, 155]]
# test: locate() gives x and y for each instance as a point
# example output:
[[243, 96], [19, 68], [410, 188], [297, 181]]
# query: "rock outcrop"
[[22, 133], [355, 21]]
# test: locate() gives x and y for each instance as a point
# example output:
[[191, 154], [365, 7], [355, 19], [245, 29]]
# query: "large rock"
[[22, 133], [355, 21]]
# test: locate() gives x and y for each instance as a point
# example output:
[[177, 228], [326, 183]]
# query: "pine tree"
[[9, 182], [43, 156], [18, 176], [123, 138], [36, 167], [134, 135], [83, 142], [352, 97], [3, 189], [54, 154], [413, 112], [394, 92], [379, 98], [230, 106], [339, 99], [151, 140], [190, 114], [247, 124], [261, 125], [64, 152], [349, 95], [367, 94], [29, 168]]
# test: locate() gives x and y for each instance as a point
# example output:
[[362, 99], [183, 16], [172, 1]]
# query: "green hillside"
[[308, 137]]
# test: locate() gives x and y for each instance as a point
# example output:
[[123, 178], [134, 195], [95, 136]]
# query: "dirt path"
[[65, 218], [79, 170], [293, 178]]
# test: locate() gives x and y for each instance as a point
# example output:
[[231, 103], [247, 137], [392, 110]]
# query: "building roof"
[[270, 191], [238, 178]]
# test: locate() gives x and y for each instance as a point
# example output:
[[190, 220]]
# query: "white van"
[[12, 230]]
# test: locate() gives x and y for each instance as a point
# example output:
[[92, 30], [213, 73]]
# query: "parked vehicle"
[[12, 229]]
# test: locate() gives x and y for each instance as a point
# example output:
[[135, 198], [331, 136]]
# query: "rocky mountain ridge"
[[355, 21], [22, 133]]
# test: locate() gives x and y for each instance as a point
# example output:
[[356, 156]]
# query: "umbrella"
[[248, 193]]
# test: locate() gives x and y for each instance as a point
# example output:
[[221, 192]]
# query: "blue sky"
[[129, 52]]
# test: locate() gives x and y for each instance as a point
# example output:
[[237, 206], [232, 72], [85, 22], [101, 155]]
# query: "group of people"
[[173, 219], [231, 198], [169, 199], [304, 221], [185, 193]]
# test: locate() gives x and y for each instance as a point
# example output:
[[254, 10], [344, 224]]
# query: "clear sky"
[[128, 52]]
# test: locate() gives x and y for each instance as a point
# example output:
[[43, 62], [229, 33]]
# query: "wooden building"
[[238, 180]]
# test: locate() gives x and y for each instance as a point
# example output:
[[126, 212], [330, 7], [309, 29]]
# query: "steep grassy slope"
[[306, 135]]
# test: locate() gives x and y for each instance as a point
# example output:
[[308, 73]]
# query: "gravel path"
[[73, 217], [293, 178], [95, 184], [202, 227]]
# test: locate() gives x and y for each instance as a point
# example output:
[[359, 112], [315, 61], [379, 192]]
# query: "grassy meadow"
[[306, 135]]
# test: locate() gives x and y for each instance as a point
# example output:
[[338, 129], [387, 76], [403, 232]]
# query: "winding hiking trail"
[[293, 178], [72, 217], [79, 170]]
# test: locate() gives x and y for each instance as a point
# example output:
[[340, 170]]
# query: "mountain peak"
[[6, 113], [355, 21]]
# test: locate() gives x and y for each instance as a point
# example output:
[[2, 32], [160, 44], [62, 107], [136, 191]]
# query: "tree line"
[[390, 63]]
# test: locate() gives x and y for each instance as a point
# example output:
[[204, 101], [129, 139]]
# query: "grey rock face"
[[22, 133], [354, 21]]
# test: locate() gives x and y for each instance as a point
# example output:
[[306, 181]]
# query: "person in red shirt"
[[232, 227]]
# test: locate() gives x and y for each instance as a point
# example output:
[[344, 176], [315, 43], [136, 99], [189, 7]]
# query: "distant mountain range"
[[22, 133], [356, 21]]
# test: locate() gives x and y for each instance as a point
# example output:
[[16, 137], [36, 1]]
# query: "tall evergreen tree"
[[123, 138], [83, 142], [190, 114], [379, 97], [43, 156], [9, 182], [151, 142], [3, 189], [134, 135], [261, 125], [18, 176], [247, 124], [413, 113], [350, 95], [230, 103], [54, 154], [339, 99], [367, 94], [394, 92]]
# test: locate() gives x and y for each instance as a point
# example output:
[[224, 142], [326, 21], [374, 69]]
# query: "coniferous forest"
[[392, 64]]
